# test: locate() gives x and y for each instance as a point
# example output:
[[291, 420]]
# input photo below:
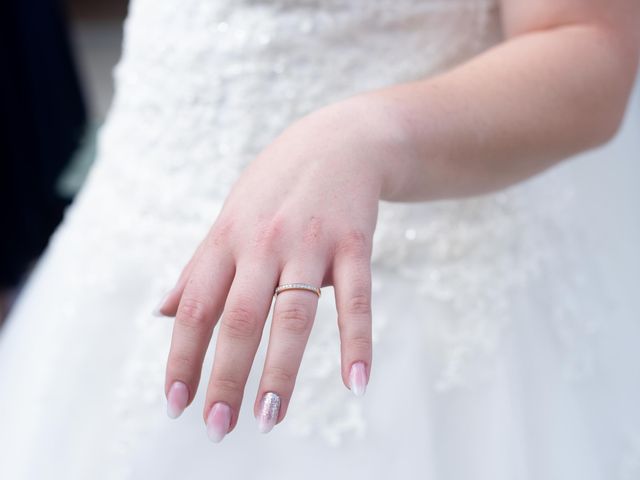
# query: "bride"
[[263, 153]]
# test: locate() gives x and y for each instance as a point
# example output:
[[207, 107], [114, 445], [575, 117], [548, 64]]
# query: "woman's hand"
[[304, 211]]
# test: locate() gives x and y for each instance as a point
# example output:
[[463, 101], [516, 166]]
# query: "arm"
[[558, 85]]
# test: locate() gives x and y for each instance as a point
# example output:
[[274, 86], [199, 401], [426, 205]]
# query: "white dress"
[[505, 326]]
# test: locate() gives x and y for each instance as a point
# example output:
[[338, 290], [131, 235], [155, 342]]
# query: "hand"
[[304, 211]]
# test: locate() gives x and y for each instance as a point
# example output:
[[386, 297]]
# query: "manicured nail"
[[269, 409], [177, 399], [157, 312], [358, 379], [218, 421]]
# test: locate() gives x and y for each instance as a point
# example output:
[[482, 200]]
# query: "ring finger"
[[293, 316]]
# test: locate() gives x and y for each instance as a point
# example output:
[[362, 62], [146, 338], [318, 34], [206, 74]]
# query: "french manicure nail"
[[177, 399], [157, 311], [269, 409], [358, 379], [218, 421]]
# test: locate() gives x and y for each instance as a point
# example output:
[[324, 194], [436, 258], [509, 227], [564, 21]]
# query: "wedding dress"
[[505, 326]]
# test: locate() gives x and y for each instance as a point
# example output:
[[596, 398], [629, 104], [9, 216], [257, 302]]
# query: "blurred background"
[[56, 86]]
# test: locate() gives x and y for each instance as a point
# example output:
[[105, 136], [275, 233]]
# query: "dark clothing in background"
[[42, 119]]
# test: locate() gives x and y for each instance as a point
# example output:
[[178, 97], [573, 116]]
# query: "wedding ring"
[[296, 286]]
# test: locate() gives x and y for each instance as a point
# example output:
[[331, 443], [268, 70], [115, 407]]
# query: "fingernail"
[[218, 421], [268, 415], [177, 399], [358, 379], [157, 312]]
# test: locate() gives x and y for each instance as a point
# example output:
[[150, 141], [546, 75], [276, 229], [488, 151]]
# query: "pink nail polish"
[[269, 409], [218, 421], [177, 399], [358, 378]]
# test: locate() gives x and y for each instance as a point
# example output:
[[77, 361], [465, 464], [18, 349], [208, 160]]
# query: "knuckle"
[[355, 243], [280, 376], [359, 304], [217, 237], [226, 385], [241, 322], [359, 343], [192, 313], [294, 318], [220, 231], [269, 233], [313, 231], [181, 361]]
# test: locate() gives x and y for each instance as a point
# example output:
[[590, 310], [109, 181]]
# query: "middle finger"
[[243, 318]]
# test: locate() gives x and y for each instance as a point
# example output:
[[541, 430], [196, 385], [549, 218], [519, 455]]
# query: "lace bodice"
[[203, 86]]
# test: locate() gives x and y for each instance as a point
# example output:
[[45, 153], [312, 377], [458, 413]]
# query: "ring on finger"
[[296, 286]]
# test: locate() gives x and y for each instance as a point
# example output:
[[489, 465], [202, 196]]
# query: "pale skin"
[[305, 209]]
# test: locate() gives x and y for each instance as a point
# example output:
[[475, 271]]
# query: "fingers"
[[243, 318], [352, 286], [199, 309], [215, 239], [201, 297], [168, 306], [293, 316]]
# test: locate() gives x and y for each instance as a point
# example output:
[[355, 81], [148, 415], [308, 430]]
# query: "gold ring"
[[296, 286]]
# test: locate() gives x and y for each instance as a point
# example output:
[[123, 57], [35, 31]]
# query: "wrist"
[[374, 126]]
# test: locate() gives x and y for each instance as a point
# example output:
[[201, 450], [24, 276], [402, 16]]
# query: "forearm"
[[505, 115]]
